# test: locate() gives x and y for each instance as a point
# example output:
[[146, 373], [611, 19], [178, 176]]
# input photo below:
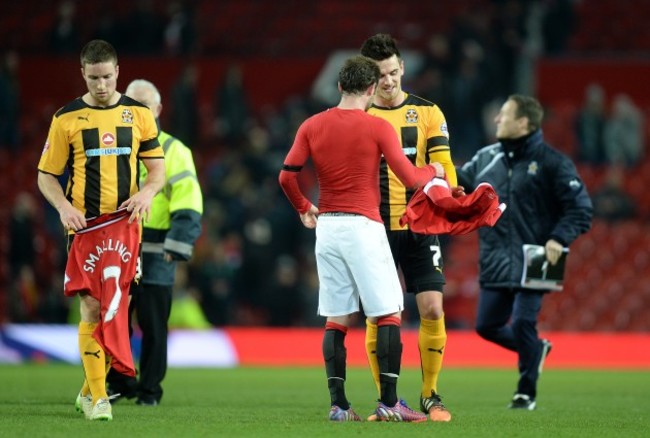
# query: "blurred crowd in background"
[[254, 262]]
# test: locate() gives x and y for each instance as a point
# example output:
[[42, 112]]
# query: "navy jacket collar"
[[518, 147]]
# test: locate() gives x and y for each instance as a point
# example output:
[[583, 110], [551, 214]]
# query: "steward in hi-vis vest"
[[175, 220]]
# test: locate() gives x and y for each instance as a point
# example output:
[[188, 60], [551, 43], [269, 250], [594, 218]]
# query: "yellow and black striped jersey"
[[100, 148], [422, 130]]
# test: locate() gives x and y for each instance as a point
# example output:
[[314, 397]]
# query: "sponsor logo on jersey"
[[108, 151], [108, 139], [46, 146], [575, 184], [127, 116], [533, 167], [409, 151], [411, 116], [108, 245]]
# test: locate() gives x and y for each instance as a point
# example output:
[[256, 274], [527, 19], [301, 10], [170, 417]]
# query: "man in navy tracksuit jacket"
[[548, 205]]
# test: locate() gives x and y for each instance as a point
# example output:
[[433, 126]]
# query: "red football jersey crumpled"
[[433, 209]]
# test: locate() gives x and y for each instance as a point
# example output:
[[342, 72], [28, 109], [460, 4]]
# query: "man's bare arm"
[[140, 204], [71, 218]]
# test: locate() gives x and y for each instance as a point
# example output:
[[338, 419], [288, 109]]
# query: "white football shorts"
[[355, 264]]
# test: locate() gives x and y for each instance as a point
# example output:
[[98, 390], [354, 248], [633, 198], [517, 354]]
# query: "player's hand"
[[310, 218], [139, 205], [553, 251], [71, 218], [458, 191]]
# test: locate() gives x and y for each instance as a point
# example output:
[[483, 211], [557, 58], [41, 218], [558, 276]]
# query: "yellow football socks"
[[371, 351], [85, 389], [93, 360], [432, 338]]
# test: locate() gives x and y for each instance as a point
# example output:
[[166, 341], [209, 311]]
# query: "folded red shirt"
[[433, 209]]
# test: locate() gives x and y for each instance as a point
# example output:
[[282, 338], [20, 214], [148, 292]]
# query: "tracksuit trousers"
[[509, 319]]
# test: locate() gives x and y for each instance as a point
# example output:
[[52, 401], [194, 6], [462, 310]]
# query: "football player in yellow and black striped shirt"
[[99, 138], [422, 130]]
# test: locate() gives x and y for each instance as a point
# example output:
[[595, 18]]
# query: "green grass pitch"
[[37, 401]]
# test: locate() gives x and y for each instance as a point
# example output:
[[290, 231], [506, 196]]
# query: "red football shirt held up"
[[103, 261]]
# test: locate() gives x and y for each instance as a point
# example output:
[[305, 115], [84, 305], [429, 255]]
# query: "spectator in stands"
[[23, 302], [558, 25], [624, 132], [215, 274], [143, 29], [283, 301], [64, 36], [22, 252], [611, 201], [510, 46], [590, 126], [438, 54], [548, 205], [232, 114], [9, 101], [180, 31], [468, 92], [477, 74], [184, 121], [108, 26]]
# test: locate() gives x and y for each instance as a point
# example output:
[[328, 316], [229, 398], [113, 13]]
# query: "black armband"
[[289, 168]]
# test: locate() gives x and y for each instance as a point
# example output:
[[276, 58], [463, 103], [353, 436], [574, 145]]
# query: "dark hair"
[[530, 107], [98, 51], [357, 74], [379, 47]]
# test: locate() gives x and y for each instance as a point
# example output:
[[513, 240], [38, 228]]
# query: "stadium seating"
[[608, 278], [612, 26]]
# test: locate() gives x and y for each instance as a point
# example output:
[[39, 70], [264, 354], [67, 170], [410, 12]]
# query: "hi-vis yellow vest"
[[181, 190]]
